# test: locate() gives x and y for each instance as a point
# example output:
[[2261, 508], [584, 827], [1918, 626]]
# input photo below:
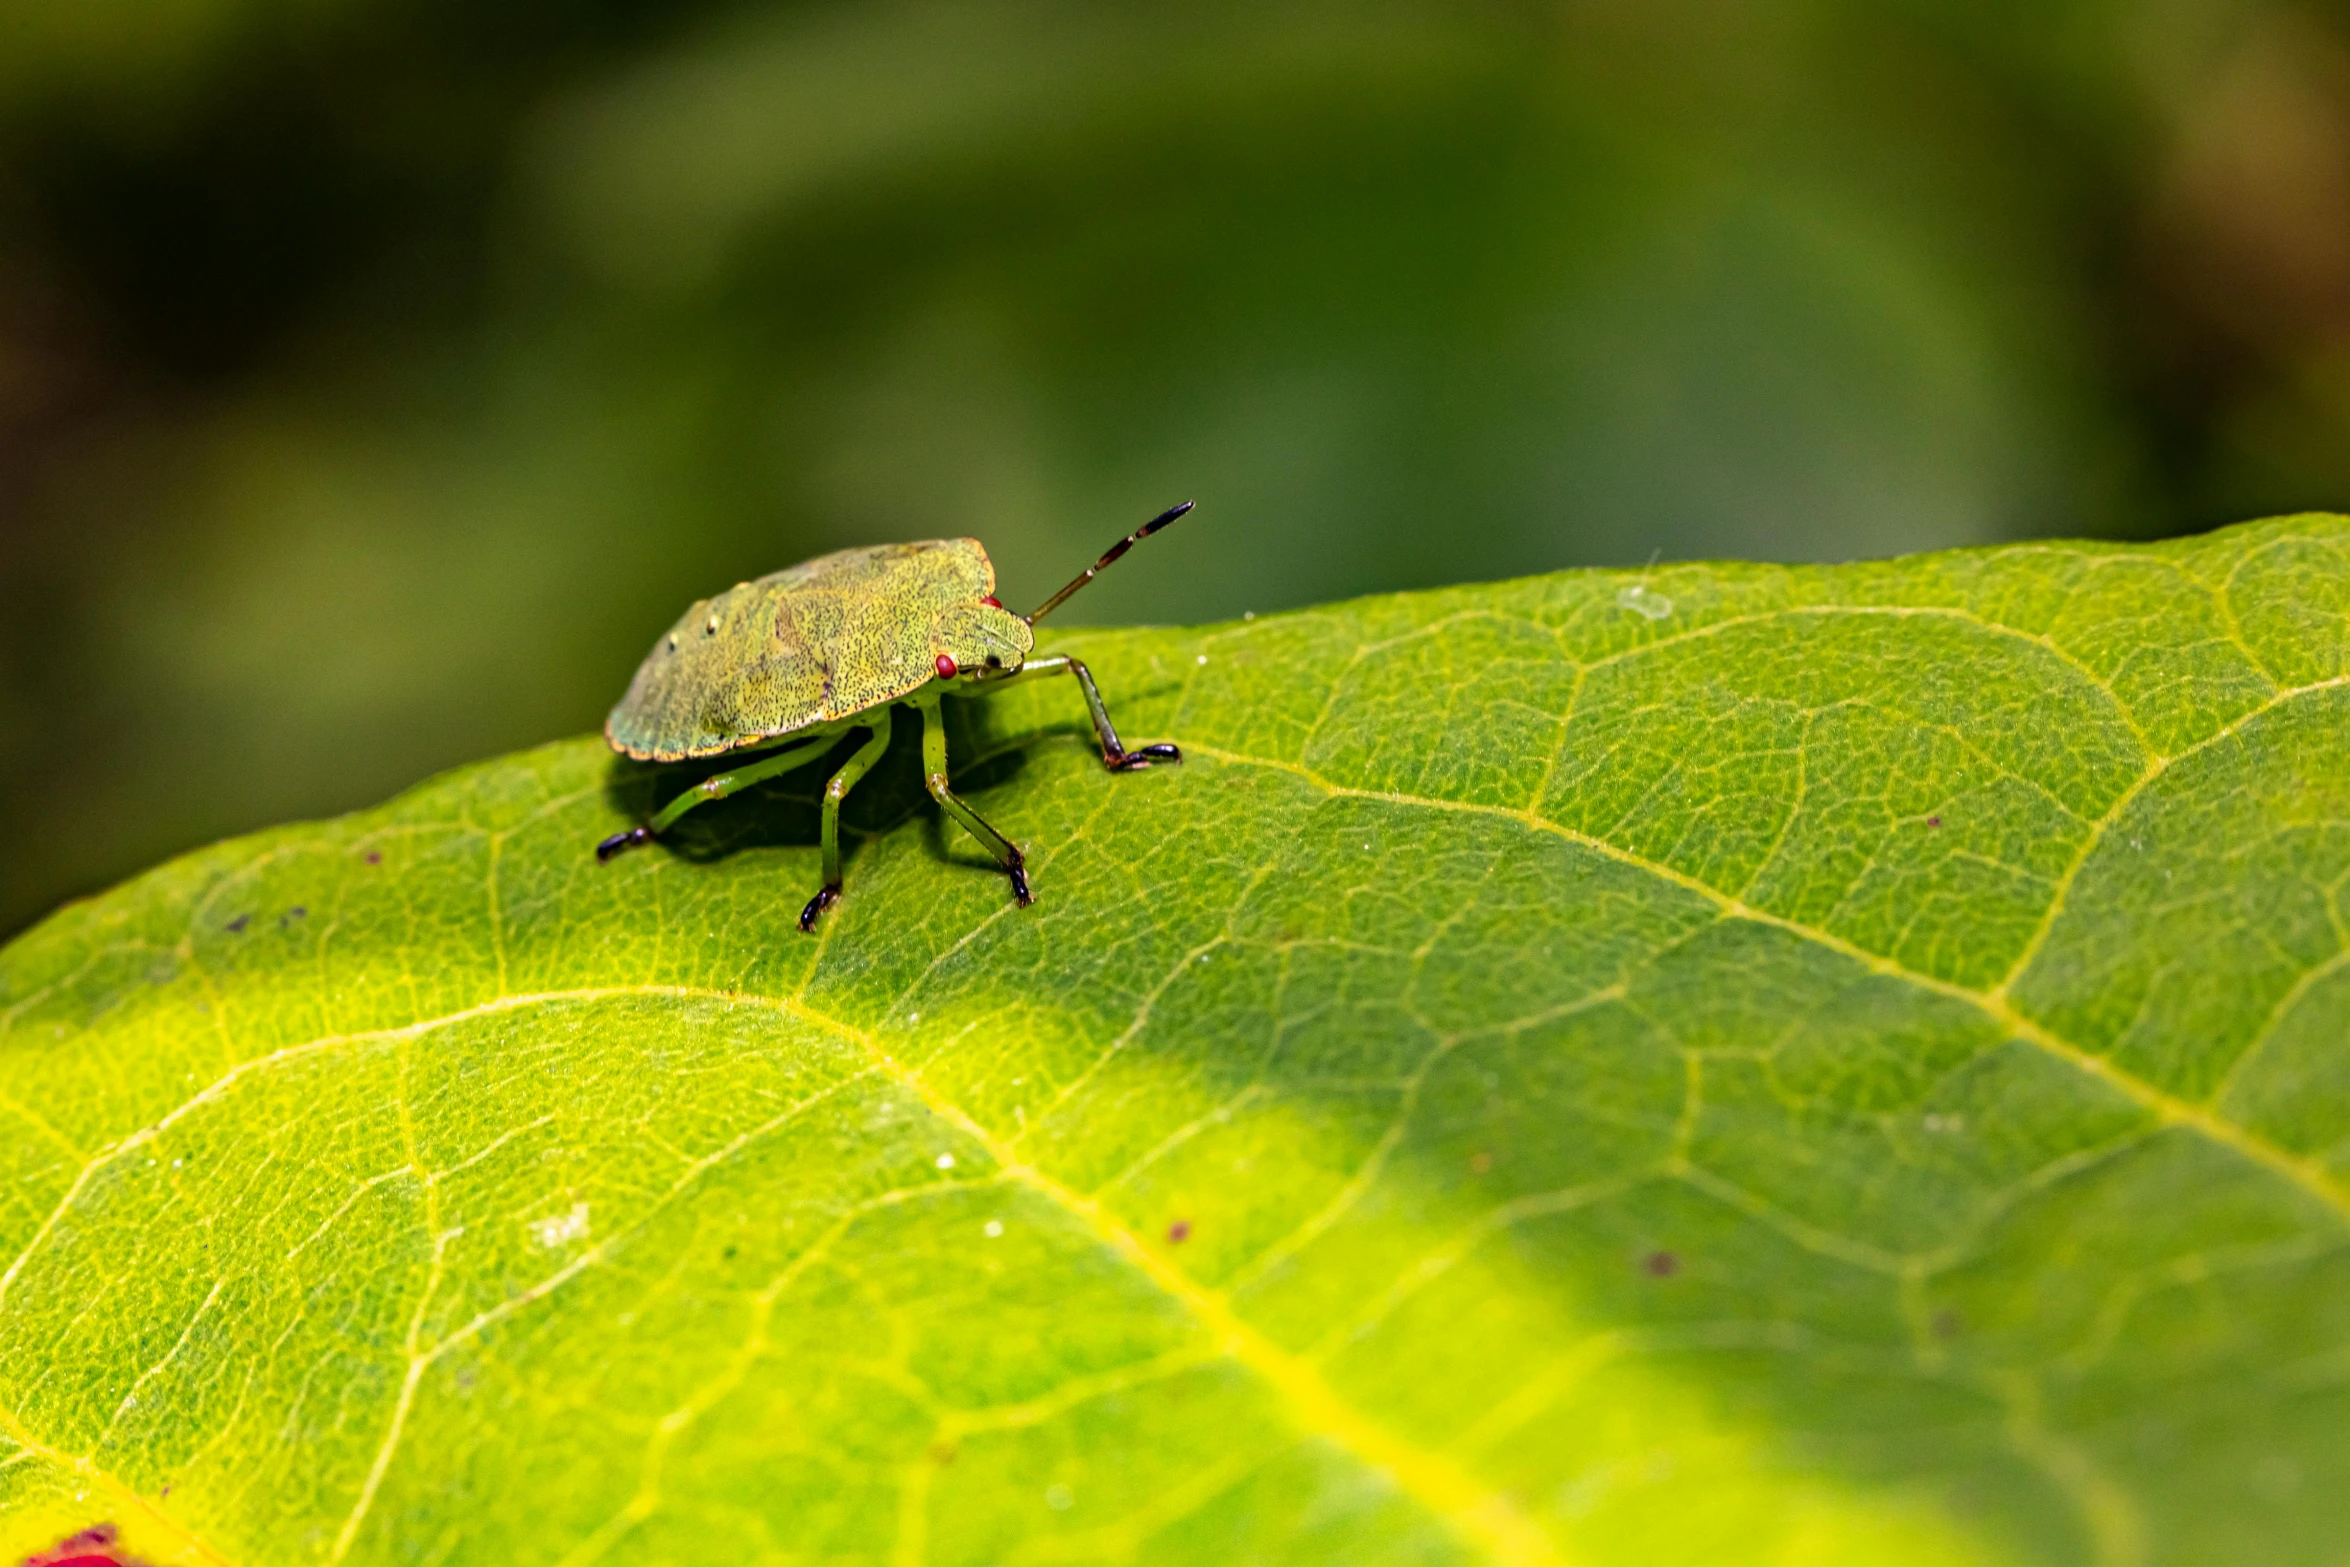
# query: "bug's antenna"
[[1108, 555]]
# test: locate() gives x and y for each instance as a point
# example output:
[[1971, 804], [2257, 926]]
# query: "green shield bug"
[[805, 656]]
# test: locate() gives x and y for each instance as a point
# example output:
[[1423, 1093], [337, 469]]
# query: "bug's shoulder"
[[878, 577]]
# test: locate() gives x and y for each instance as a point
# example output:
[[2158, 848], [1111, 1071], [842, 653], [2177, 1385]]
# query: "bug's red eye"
[[946, 667], [992, 602]]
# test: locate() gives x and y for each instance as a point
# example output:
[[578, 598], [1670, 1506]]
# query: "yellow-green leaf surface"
[[1726, 1064]]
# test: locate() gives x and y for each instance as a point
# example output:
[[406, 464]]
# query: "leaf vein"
[[2305, 1173]]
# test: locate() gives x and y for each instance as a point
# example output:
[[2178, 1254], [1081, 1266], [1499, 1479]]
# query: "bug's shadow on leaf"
[[783, 812], [786, 811]]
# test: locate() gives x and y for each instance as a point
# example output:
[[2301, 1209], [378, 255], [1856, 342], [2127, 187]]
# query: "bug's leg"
[[716, 787], [934, 774], [834, 792], [1114, 755]]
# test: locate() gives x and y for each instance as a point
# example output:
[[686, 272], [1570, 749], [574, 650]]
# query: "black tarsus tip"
[[1018, 871], [622, 840], [826, 897], [1140, 757]]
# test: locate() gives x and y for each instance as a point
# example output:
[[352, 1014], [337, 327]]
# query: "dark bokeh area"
[[377, 377]]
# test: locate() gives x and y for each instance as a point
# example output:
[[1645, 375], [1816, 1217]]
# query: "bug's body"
[[805, 656], [814, 644]]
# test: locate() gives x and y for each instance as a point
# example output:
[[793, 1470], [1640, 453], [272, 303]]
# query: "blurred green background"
[[377, 377]]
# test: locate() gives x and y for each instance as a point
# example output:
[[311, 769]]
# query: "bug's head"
[[981, 638]]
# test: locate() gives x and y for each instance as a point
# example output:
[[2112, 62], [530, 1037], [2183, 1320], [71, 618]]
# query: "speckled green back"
[[799, 648]]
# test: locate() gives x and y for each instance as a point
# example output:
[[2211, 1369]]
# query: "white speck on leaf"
[[992, 1229], [1642, 602], [562, 1229], [1203, 658], [946, 1161], [913, 1017]]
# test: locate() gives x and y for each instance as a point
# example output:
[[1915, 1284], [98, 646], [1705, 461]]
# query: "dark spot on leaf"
[[1661, 1264], [1933, 821], [237, 926], [92, 1547], [1480, 1162], [728, 1254], [942, 1453], [1947, 1323], [375, 857], [297, 912], [1179, 1232]]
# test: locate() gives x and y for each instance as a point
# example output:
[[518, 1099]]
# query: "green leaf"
[[1723, 1064]]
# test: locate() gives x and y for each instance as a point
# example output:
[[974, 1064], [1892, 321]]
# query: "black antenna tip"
[[1162, 519]]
